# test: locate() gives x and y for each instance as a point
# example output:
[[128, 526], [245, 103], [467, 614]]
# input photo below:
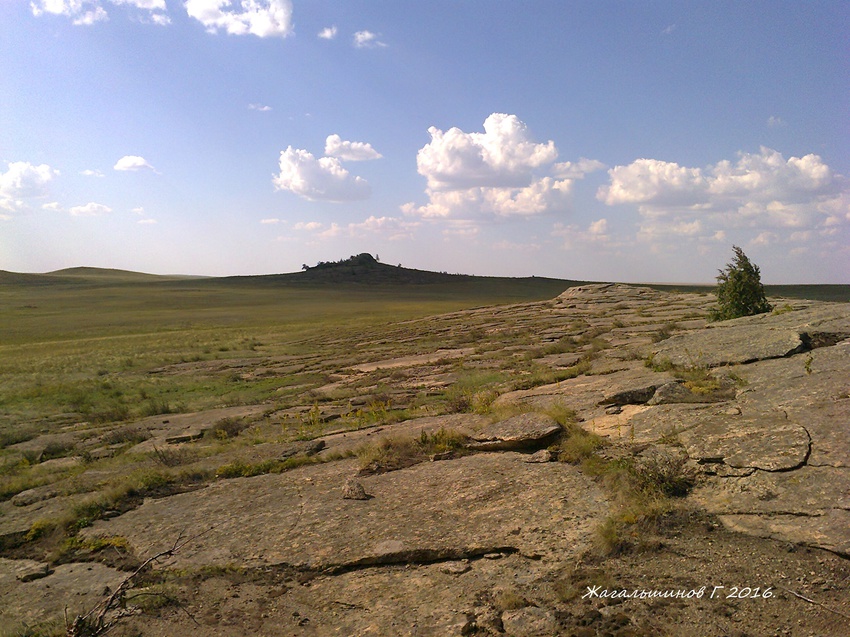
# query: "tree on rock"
[[739, 290]]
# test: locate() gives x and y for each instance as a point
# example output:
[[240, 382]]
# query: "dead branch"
[[98, 621], [811, 601]]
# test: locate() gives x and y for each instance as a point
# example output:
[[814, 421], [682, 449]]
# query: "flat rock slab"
[[828, 531], [437, 510], [526, 431], [412, 361], [75, 586], [728, 345], [768, 442], [808, 491]]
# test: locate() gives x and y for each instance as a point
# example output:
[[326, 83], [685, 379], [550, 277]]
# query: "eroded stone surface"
[[77, 587], [436, 510], [526, 431], [728, 345], [769, 442]]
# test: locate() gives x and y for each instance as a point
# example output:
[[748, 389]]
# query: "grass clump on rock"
[[398, 452]]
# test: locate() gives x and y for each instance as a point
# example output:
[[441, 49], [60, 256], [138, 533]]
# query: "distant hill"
[[364, 271]]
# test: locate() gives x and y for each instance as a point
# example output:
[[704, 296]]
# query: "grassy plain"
[[87, 344]]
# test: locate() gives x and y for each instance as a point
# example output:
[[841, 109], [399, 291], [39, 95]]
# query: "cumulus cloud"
[[764, 195], [132, 163], [503, 155], [23, 180], [318, 179], [493, 173], [91, 209], [577, 169], [259, 107], [349, 151], [88, 12], [390, 228], [262, 18], [367, 40], [761, 184], [91, 173], [328, 33], [653, 181]]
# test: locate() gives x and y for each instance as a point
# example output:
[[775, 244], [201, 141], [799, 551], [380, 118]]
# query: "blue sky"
[[630, 141]]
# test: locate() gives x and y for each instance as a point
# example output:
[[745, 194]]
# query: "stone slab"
[[525, 431], [435, 510], [767, 442]]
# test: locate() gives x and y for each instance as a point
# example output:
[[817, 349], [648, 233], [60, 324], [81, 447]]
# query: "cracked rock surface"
[[490, 543]]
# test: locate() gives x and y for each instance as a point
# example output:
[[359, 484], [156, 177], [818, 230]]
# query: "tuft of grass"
[[397, 452], [664, 472], [509, 599]]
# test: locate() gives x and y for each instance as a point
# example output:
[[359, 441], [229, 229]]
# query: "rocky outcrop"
[[523, 432]]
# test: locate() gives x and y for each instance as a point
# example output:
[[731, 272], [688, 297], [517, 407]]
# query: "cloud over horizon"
[[23, 180], [763, 191], [322, 179], [490, 173]]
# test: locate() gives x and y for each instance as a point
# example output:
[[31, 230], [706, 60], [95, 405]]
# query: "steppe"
[[361, 449]]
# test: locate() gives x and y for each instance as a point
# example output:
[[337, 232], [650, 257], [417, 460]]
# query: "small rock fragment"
[[529, 622], [353, 490], [544, 455], [455, 568], [34, 573]]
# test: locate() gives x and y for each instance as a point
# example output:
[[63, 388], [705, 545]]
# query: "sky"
[[597, 140]]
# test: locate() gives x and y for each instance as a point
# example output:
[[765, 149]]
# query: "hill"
[[364, 271]]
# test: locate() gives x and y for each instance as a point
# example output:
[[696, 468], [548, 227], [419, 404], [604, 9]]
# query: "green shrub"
[[739, 290]]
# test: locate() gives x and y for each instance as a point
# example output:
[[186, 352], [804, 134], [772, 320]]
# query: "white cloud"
[[318, 179], [328, 33], [669, 29], [761, 197], [23, 180], [150, 5], [262, 18], [309, 226], [539, 197], [655, 181], [764, 239], [53, 206], [260, 107], [391, 228], [491, 173], [349, 151], [503, 155], [91, 209], [774, 122], [367, 40], [147, 221], [88, 12], [132, 163], [92, 173], [598, 228], [138, 211], [577, 169], [269, 221], [765, 176]]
